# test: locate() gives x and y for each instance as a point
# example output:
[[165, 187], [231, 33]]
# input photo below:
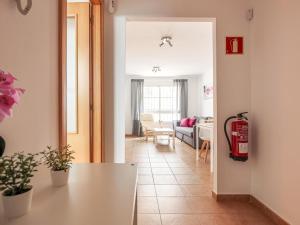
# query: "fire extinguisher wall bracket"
[[244, 159]]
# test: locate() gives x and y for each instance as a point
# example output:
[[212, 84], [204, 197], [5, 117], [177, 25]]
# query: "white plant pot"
[[17, 205], [59, 178]]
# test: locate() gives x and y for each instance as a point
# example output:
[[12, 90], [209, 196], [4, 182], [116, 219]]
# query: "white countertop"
[[97, 194]]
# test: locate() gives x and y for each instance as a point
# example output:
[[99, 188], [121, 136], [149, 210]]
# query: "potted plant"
[[59, 161], [16, 172]]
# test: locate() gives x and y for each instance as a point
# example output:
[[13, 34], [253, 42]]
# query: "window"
[[160, 101]]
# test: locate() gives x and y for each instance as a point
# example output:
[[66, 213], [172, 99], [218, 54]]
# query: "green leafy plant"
[[58, 159], [16, 172]]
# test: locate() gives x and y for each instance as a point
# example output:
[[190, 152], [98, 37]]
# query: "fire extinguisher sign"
[[234, 45]]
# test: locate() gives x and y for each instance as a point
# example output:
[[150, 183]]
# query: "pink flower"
[[9, 95], [15, 93], [6, 104], [6, 80]]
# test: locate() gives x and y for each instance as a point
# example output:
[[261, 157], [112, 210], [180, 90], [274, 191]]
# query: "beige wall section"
[[28, 47], [275, 106], [233, 73]]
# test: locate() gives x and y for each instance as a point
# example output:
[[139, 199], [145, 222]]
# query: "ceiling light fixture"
[[156, 69], [166, 40]]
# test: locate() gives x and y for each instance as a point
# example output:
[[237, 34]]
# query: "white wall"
[[206, 106], [28, 47], [275, 106], [194, 95], [233, 73]]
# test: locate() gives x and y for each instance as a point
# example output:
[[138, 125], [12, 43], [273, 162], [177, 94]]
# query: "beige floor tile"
[[256, 219], [144, 171], [159, 165], [144, 165], [172, 205], [183, 171], [189, 179], [219, 219], [168, 190], [161, 171], [204, 204], [146, 191], [197, 190], [171, 159], [164, 179], [142, 160], [149, 219], [180, 219], [147, 205], [145, 179], [177, 165], [157, 160]]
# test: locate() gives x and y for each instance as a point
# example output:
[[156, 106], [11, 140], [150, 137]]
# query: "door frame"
[[62, 78], [213, 21]]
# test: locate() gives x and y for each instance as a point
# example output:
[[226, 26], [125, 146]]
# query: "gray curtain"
[[181, 86], [137, 105]]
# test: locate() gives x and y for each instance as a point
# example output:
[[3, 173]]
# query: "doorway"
[[163, 54], [170, 65], [80, 80]]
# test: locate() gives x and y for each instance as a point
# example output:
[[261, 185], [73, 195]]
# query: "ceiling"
[[191, 54]]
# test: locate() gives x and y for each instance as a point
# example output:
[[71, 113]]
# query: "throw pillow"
[[192, 122], [184, 122]]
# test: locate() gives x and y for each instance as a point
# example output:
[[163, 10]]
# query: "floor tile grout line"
[[155, 192]]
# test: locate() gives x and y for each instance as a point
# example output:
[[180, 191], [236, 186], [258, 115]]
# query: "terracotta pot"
[[17, 205], [59, 178]]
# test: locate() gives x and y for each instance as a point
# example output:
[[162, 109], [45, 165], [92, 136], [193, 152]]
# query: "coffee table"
[[164, 131]]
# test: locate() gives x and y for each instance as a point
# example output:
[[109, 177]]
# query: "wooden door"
[[78, 80]]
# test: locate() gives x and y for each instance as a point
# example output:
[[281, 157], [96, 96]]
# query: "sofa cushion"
[[184, 122], [188, 131], [192, 121]]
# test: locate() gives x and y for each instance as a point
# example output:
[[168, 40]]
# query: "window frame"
[[174, 109]]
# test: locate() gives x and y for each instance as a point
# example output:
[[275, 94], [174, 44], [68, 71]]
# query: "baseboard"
[[268, 212], [227, 197], [249, 198]]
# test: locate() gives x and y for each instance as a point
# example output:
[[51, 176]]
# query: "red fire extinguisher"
[[239, 137]]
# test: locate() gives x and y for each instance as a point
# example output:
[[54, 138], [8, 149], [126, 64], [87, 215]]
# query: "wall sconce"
[[24, 10]]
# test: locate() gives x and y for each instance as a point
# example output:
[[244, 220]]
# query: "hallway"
[[174, 189]]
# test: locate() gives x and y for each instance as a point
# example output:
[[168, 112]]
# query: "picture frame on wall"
[[208, 91]]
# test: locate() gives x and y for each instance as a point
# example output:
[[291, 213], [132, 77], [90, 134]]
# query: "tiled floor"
[[175, 189]]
